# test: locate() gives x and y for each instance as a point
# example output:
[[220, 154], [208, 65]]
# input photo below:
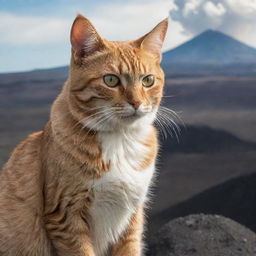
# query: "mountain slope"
[[234, 199], [211, 47], [203, 139]]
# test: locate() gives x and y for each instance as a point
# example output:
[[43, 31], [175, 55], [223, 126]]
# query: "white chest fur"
[[121, 190]]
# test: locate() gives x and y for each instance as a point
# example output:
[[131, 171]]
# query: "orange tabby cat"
[[78, 188]]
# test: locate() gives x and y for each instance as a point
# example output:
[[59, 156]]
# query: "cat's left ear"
[[84, 38], [153, 41]]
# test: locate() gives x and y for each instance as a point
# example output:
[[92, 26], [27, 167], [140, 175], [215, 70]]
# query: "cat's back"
[[21, 176], [24, 157], [21, 199]]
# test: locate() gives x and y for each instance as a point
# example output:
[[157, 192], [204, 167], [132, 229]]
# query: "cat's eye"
[[111, 80], [148, 81]]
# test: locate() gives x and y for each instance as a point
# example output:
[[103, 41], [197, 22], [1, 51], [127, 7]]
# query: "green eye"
[[148, 81], [111, 80]]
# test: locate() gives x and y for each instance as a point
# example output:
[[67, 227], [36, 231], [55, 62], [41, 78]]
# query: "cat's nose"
[[135, 104]]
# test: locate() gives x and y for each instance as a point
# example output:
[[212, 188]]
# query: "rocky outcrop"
[[234, 199], [203, 235]]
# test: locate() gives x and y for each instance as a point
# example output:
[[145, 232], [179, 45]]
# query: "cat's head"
[[115, 84]]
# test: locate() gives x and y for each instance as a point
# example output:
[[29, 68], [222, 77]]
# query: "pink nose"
[[135, 104]]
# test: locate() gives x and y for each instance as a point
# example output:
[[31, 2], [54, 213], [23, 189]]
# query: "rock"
[[234, 198], [203, 235]]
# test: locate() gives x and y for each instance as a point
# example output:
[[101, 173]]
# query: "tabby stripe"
[[85, 85], [90, 99]]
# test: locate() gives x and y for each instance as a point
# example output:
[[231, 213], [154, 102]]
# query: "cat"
[[79, 187]]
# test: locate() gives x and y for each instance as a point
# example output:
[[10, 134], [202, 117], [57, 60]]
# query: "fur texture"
[[79, 187]]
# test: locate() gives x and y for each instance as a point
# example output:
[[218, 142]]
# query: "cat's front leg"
[[130, 244], [70, 238]]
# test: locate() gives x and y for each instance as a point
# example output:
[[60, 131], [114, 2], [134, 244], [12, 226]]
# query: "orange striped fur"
[[79, 186]]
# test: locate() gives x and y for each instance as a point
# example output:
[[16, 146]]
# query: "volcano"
[[211, 47]]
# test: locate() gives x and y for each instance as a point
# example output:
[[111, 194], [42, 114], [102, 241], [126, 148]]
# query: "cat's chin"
[[136, 121], [130, 118]]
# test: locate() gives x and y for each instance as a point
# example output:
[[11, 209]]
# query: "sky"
[[35, 33]]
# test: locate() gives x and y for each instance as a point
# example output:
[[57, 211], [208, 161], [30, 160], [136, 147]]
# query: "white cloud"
[[214, 10], [131, 20], [234, 17], [123, 21], [20, 30], [242, 7], [191, 7]]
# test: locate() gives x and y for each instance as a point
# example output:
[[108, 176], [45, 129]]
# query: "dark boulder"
[[203, 235]]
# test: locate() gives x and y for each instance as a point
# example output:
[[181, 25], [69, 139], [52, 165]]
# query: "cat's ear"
[[84, 38], [153, 41]]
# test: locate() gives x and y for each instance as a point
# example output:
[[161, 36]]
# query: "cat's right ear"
[[84, 38]]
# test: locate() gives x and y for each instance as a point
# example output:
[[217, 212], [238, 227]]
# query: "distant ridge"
[[211, 47]]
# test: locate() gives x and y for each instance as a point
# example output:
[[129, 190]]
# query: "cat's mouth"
[[131, 117]]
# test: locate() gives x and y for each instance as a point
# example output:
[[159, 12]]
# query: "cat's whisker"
[[171, 116], [168, 96], [171, 120], [94, 115], [165, 124], [170, 126], [91, 119], [166, 127], [173, 113], [169, 111], [103, 118], [63, 115], [161, 129]]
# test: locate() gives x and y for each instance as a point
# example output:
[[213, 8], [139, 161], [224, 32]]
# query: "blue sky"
[[35, 33]]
